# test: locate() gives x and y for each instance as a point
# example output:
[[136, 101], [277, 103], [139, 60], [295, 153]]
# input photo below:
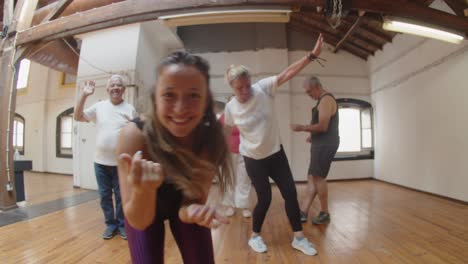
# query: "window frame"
[[365, 153], [62, 81], [22, 120], [58, 135]]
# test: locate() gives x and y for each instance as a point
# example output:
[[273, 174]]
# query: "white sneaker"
[[229, 212], [305, 246], [246, 213], [257, 244]]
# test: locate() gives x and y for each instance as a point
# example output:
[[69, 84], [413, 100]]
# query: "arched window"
[[18, 133], [356, 129], [64, 137]]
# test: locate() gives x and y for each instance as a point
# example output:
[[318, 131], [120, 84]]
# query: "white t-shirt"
[[256, 120], [109, 119]]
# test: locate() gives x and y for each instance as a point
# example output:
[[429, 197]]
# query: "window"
[[67, 80], [23, 74], [64, 138], [18, 133], [356, 136]]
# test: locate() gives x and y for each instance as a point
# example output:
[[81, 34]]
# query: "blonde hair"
[[236, 71]]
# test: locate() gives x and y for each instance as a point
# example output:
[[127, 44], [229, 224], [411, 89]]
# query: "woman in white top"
[[252, 111]]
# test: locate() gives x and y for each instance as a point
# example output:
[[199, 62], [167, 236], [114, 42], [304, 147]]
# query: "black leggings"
[[277, 167]]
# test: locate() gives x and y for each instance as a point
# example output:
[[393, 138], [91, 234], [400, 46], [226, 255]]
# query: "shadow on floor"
[[29, 212]]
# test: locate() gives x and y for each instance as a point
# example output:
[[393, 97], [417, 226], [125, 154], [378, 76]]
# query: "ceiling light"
[[420, 29], [261, 15]]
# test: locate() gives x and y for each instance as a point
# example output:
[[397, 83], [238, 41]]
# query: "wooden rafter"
[[131, 11], [363, 29], [376, 33], [348, 34], [457, 6], [7, 11], [410, 10], [58, 9], [317, 22], [331, 40], [359, 51], [370, 42]]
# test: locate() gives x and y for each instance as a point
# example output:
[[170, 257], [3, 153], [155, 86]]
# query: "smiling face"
[[181, 99], [115, 89], [241, 87]]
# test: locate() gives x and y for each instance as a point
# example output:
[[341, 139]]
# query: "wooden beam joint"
[[350, 32]]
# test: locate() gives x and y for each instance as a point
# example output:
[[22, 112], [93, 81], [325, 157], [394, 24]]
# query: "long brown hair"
[[184, 168]]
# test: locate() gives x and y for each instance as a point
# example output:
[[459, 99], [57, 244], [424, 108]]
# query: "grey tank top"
[[331, 137]]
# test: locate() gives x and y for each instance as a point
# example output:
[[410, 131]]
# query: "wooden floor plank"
[[372, 222]]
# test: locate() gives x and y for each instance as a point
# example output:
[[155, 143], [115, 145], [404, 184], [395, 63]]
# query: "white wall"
[[419, 92], [40, 104], [344, 75], [131, 50]]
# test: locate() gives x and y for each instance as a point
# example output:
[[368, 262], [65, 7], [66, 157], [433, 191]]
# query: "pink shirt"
[[233, 140]]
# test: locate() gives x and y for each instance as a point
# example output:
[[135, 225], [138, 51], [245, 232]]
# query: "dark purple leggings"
[[147, 246]]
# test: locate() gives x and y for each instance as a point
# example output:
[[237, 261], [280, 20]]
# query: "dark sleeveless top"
[[331, 137], [169, 199]]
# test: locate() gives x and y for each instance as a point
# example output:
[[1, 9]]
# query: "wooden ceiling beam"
[[371, 42], [457, 6], [372, 25], [24, 12], [331, 38], [133, 11], [400, 8], [321, 26], [58, 9], [348, 34], [376, 33], [363, 28]]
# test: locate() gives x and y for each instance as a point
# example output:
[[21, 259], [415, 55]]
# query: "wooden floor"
[[372, 222], [45, 187]]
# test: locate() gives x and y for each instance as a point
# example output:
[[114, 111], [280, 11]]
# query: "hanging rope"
[[335, 20]]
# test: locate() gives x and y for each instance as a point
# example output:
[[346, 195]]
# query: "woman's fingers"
[[220, 218], [136, 168], [207, 216]]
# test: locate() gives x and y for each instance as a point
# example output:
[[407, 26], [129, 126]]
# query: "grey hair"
[[314, 81], [236, 71], [116, 77]]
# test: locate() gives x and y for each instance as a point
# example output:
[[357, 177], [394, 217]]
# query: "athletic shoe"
[[108, 233], [257, 244], [122, 233], [303, 217], [229, 212], [246, 213], [322, 218], [304, 245]]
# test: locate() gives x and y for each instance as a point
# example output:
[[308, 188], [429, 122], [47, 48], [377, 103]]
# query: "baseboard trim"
[[421, 191], [56, 173]]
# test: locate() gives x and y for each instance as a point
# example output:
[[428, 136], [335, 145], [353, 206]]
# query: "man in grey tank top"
[[325, 140]]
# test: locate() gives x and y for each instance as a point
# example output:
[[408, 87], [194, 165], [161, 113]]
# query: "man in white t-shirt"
[[109, 116], [252, 111]]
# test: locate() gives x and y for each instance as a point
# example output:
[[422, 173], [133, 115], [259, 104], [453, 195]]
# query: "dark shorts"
[[321, 159]]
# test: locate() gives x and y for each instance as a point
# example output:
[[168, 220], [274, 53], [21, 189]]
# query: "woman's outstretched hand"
[[203, 215], [142, 175], [318, 46]]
